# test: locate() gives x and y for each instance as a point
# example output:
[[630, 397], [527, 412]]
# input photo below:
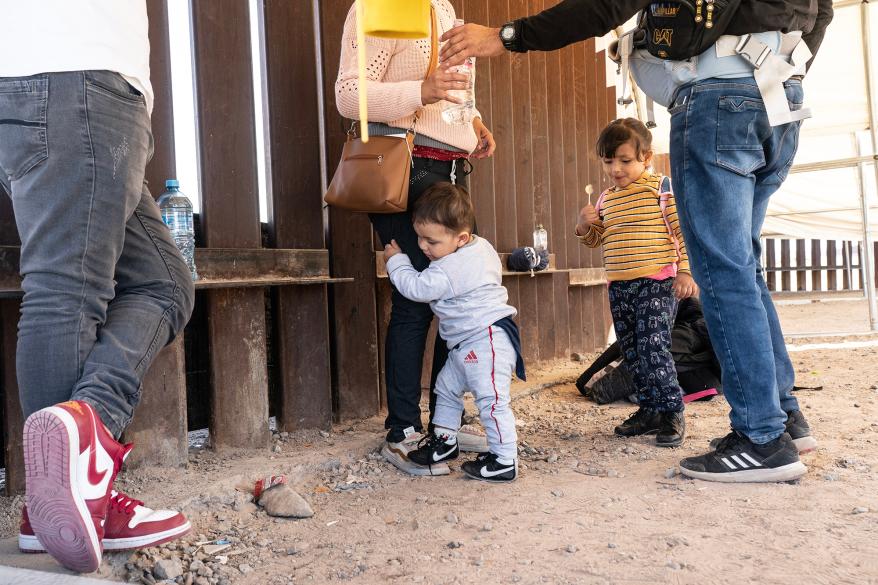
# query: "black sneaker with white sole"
[[434, 449], [644, 421], [800, 432], [485, 467], [737, 459], [798, 429]]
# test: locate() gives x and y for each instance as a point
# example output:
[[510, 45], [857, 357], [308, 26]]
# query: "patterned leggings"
[[643, 314]]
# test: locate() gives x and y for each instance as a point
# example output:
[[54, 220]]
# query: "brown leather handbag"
[[373, 177]]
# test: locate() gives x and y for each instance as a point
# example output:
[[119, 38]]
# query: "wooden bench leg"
[[303, 351], [13, 422], [238, 366], [159, 429]]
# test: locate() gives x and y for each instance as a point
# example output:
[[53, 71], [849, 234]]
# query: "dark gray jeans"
[[105, 288]]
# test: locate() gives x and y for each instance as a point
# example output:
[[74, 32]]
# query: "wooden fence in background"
[[813, 265], [273, 332]]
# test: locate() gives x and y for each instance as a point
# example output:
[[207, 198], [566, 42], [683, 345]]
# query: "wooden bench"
[[160, 427]]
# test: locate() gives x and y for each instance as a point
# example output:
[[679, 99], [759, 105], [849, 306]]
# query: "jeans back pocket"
[[23, 141], [741, 127]]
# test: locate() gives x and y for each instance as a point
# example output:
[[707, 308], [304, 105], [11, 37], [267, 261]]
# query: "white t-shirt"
[[48, 36]]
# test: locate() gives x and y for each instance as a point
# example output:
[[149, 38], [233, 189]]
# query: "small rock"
[[455, 544], [553, 458], [195, 565], [860, 510], [451, 518], [673, 565], [324, 434], [671, 472], [611, 545], [577, 357], [245, 568], [557, 493], [167, 569], [830, 477], [571, 548], [284, 502], [612, 473], [488, 527], [189, 579], [856, 405], [202, 581]]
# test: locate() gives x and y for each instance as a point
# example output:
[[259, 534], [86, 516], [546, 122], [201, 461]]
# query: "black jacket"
[[571, 21]]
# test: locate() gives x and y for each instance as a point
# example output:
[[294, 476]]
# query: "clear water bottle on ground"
[[464, 112], [176, 212]]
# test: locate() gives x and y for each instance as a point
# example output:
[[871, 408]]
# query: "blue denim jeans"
[[105, 288], [726, 162]]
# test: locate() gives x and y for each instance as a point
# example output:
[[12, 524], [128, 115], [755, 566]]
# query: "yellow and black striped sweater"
[[633, 232]]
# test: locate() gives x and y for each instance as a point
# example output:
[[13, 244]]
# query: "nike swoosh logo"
[[485, 473], [95, 477], [437, 457]]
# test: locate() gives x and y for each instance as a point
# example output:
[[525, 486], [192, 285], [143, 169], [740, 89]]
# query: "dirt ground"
[[588, 507]]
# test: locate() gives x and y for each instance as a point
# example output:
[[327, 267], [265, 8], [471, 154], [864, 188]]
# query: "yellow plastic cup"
[[397, 19]]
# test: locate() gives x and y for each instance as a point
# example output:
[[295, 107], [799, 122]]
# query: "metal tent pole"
[[868, 266]]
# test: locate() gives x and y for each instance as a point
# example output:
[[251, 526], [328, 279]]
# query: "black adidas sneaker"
[[799, 432], [486, 468], [433, 449], [737, 459]]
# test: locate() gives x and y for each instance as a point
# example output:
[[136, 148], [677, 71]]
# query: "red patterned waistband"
[[437, 153]]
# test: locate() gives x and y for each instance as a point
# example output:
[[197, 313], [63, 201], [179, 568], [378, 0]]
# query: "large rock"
[[167, 568], [283, 501]]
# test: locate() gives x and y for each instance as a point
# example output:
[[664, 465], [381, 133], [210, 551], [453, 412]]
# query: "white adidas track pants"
[[483, 364]]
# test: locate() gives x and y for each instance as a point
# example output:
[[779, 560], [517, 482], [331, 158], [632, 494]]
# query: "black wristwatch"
[[510, 36]]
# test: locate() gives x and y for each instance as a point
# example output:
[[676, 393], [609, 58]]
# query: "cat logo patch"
[[662, 36]]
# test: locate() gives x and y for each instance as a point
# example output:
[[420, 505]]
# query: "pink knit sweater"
[[395, 69]]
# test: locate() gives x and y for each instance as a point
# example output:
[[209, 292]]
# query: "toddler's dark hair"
[[447, 205], [620, 131]]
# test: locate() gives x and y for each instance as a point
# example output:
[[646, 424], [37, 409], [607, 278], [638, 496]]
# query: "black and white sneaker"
[[485, 467], [799, 432], [434, 449], [737, 459]]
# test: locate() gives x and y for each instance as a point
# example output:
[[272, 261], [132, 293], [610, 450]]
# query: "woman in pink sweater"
[[396, 91]]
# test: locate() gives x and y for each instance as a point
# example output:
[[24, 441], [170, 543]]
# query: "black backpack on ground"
[[607, 380]]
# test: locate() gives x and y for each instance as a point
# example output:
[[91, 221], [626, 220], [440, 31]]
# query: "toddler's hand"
[[684, 286], [587, 216], [391, 250]]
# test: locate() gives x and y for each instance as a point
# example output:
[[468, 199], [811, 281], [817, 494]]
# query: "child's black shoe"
[[642, 422], [434, 449], [485, 467]]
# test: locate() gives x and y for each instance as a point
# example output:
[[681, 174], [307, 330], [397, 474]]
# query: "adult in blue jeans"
[[105, 288], [731, 148]]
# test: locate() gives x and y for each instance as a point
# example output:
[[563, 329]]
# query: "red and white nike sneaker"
[[129, 525], [70, 462]]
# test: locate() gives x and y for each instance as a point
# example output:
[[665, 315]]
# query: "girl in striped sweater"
[[648, 272]]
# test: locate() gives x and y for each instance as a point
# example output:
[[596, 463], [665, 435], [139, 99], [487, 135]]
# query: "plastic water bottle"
[[462, 113], [176, 212]]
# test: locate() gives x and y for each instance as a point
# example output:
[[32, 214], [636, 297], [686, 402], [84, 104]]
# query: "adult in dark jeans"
[[399, 89], [732, 146]]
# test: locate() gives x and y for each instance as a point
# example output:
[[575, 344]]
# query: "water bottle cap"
[[172, 184]]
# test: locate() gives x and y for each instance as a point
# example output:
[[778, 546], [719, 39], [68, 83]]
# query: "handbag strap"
[[434, 56]]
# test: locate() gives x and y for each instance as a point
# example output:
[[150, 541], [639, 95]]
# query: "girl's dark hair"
[[447, 205], [623, 130]]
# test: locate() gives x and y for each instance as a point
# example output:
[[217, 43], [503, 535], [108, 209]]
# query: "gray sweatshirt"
[[464, 289]]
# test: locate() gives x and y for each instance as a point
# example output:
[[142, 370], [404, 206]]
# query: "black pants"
[[409, 320]]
